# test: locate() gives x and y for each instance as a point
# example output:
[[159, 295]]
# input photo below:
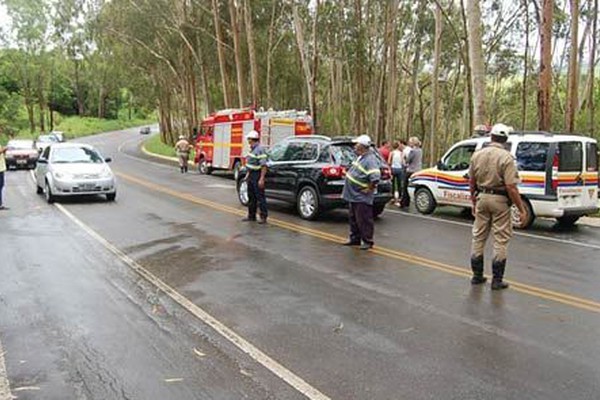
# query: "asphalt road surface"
[[165, 294]]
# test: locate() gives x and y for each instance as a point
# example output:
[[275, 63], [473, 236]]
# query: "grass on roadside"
[[75, 127], [154, 145]]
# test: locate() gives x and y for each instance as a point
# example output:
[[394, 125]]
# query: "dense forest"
[[389, 68]]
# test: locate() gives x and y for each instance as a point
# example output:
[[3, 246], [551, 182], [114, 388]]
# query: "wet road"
[[279, 311]]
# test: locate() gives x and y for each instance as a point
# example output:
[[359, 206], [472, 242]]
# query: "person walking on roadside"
[[2, 171], [414, 163], [493, 180], [183, 148], [256, 164], [396, 162], [359, 191]]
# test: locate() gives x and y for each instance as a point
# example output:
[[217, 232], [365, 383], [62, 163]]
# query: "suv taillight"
[[333, 171], [555, 165], [386, 173]]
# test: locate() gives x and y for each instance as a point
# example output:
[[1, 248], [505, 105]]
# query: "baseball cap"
[[364, 140]]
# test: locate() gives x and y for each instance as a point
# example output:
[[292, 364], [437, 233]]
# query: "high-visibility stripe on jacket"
[[257, 158]]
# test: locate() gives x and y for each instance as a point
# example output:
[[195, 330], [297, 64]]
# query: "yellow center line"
[[558, 297]]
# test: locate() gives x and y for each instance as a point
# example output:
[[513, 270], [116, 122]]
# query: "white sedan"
[[72, 169]]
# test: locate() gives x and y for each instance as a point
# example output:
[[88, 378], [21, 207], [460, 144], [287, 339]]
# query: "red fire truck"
[[220, 143]]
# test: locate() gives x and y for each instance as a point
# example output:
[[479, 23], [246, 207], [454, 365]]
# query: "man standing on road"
[[359, 192], [183, 148], [493, 183], [256, 163], [414, 163], [2, 170]]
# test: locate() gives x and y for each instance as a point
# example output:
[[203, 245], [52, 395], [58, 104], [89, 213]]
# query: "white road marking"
[[524, 234], [4, 385], [256, 354]]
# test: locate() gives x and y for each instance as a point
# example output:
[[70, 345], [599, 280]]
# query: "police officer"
[[493, 185], [359, 191], [256, 164], [183, 148]]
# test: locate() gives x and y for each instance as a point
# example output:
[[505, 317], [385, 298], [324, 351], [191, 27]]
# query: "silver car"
[[72, 169]]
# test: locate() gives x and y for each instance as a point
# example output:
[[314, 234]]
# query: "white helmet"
[[501, 130], [252, 135], [181, 137], [364, 140]]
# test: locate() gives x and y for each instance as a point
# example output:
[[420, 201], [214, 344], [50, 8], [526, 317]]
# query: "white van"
[[559, 176]]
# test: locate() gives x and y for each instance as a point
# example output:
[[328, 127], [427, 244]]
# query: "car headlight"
[[105, 174], [62, 175]]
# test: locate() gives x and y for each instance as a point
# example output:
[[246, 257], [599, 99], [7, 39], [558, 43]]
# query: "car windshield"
[[344, 154], [69, 155], [47, 138], [20, 144]]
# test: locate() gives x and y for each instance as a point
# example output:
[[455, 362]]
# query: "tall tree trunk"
[[468, 73], [252, 53], [525, 67], [380, 98], [476, 60], [315, 65], [545, 79], [237, 52], [572, 85], [435, 83], [392, 95], [220, 53], [270, 55], [590, 93], [359, 102], [79, 91], [304, 59]]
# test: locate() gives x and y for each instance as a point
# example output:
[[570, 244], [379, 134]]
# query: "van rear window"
[[570, 156], [592, 157], [532, 156]]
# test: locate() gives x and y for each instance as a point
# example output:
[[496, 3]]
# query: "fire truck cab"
[[220, 143]]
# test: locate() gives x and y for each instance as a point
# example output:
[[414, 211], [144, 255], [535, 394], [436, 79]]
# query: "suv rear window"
[[592, 157], [301, 151], [532, 156], [570, 156], [343, 154]]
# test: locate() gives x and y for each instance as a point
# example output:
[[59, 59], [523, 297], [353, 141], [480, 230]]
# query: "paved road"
[[279, 311]]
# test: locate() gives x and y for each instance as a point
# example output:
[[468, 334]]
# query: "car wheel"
[[203, 168], [242, 189], [424, 201], [48, 194], [307, 203], [530, 216], [38, 189], [111, 196], [236, 170], [567, 221], [378, 210]]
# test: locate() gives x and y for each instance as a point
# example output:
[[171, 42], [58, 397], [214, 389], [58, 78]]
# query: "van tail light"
[[386, 173], [334, 171], [555, 165]]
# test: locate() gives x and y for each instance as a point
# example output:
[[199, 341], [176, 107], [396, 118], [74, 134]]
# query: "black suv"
[[309, 171]]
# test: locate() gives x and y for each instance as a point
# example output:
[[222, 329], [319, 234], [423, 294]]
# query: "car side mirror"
[[441, 166], [107, 159]]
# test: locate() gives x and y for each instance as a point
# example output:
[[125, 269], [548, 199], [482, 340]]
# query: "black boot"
[[477, 268], [498, 267]]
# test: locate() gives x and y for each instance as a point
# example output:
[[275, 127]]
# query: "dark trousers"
[[361, 222], [405, 198], [256, 197], [397, 178], [1, 185]]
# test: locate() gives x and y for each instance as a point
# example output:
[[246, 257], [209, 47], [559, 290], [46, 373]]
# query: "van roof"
[[537, 136]]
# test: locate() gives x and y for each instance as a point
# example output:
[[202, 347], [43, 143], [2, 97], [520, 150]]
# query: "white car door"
[[453, 177]]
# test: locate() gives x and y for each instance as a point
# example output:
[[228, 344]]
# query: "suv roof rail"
[[319, 137], [514, 133]]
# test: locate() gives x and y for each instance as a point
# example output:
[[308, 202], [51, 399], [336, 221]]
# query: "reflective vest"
[[256, 159]]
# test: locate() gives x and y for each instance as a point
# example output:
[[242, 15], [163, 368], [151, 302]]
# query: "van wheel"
[[203, 168], [567, 221], [378, 210], [424, 201], [242, 189], [307, 203], [515, 215]]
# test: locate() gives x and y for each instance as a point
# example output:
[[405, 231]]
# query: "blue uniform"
[[363, 173], [255, 161]]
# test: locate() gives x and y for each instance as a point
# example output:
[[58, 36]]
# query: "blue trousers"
[[1, 185], [256, 197]]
